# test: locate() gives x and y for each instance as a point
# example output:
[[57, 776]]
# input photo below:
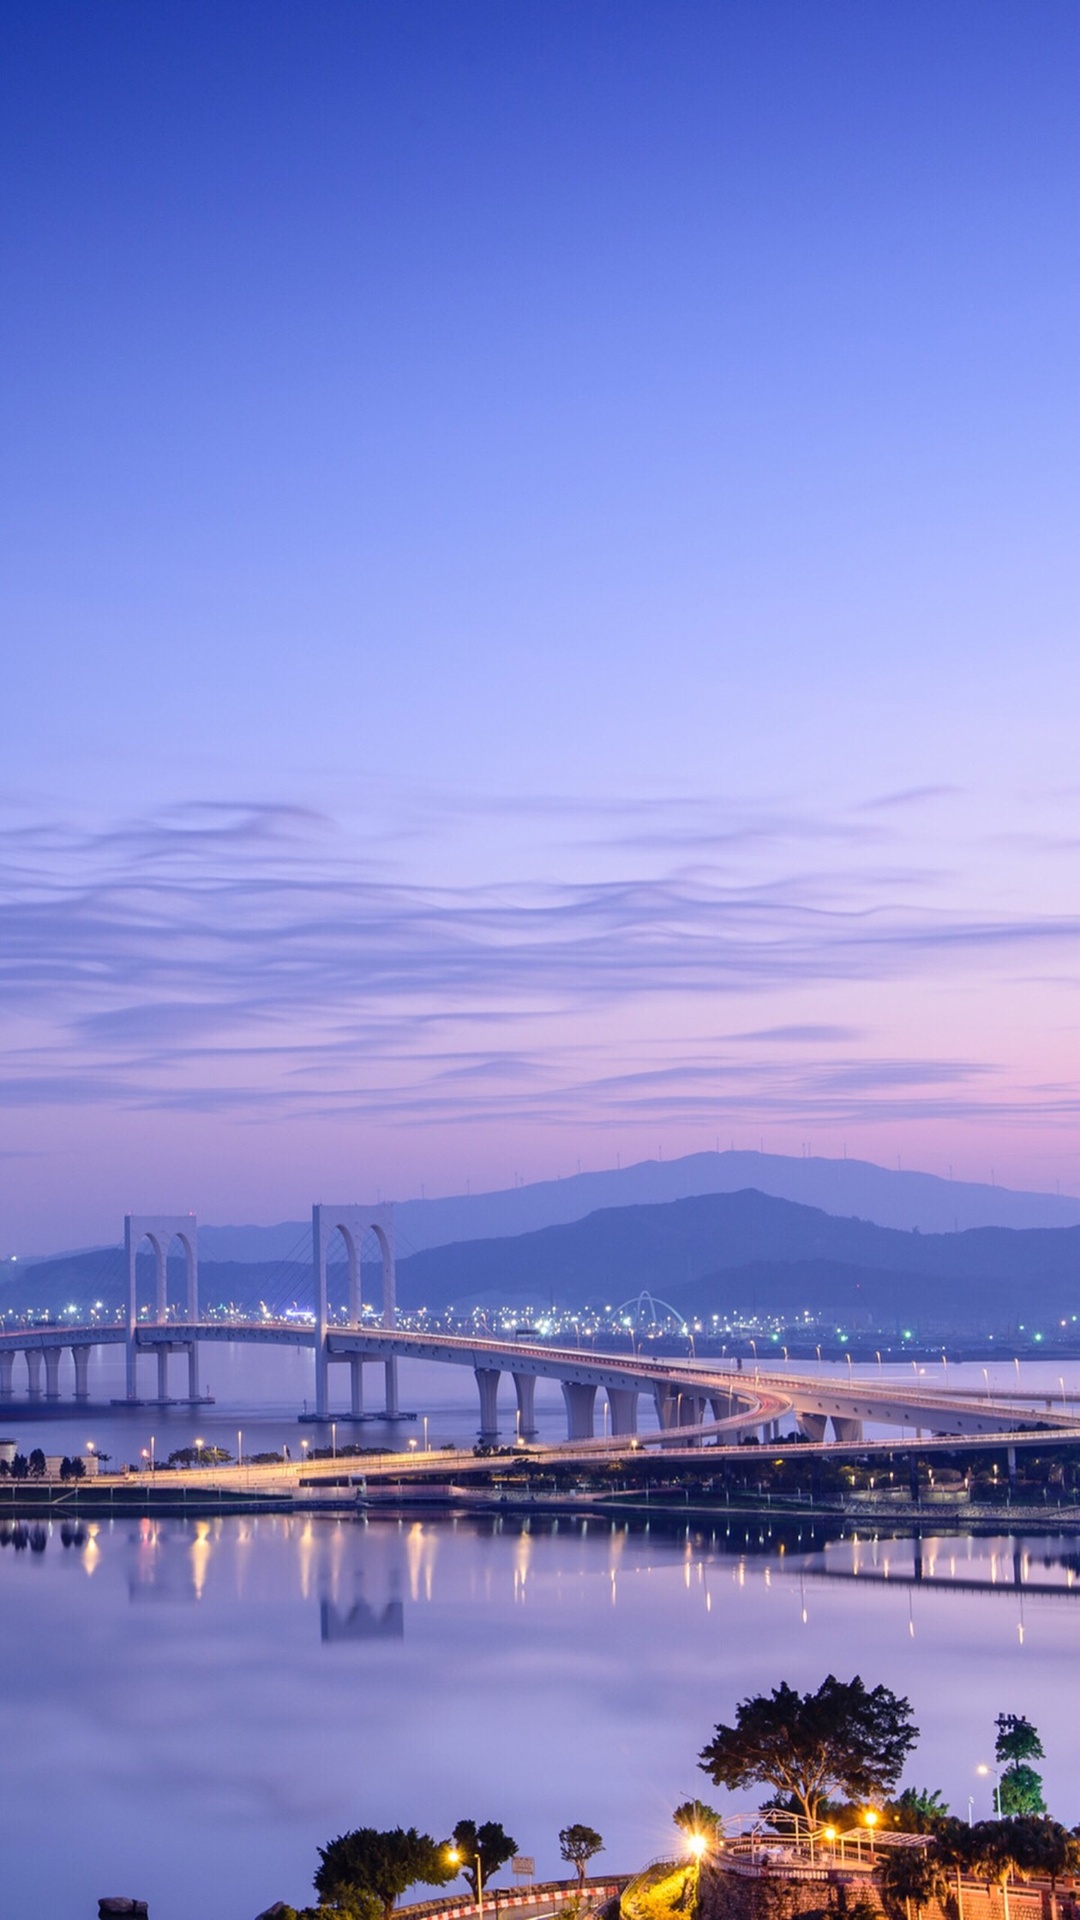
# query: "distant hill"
[[745, 1252], [891, 1199], [753, 1252]]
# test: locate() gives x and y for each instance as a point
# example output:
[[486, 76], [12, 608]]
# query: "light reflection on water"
[[208, 1701]]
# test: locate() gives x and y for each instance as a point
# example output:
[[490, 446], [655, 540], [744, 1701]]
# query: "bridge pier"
[[162, 1373], [51, 1357], [846, 1428], [812, 1426], [392, 1408], [580, 1406], [487, 1380], [622, 1405], [356, 1386], [322, 1377], [131, 1355], [667, 1405], [33, 1372], [7, 1368], [525, 1388], [193, 1369], [722, 1405], [81, 1358], [690, 1412]]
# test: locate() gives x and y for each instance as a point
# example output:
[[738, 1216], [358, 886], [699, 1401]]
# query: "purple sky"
[[539, 577]]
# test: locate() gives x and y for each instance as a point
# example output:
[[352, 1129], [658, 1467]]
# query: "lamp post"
[[454, 1855], [986, 1771]]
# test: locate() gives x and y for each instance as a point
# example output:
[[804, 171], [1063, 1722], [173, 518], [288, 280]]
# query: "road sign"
[[524, 1865]]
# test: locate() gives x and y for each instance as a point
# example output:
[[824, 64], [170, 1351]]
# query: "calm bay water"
[[191, 1709]]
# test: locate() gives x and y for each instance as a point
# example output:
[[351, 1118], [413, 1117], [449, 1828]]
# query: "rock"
[[118, 1905], [280, 1910]]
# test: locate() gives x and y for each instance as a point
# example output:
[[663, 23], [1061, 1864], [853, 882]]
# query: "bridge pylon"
[[161, 1229], [352, 1222]]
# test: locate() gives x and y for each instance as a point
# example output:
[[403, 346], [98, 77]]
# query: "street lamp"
[[198, 1451], [333, 1439], [697, 1845], [985, 1771], [454, 1855]]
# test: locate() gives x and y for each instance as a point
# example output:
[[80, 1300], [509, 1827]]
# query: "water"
[[191, 1709]]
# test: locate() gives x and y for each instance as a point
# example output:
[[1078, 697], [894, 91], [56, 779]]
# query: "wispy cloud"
[[266, 958]]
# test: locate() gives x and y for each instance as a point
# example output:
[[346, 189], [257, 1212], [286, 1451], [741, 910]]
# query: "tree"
[[910, 1877], [1020, 1792], [805, 1744], [577, 1846], [37, 1464], [20, 1467], [916, 1810], [1041, 1846], [382, 1865], [1020, 1787], [697, 1817], [489, 1842]]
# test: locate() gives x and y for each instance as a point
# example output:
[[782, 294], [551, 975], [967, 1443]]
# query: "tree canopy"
[[384, 1865], [490, 1842], [807, 1745], [577, 1846], [696, 1816], [910, 1877], [1020, 1787]]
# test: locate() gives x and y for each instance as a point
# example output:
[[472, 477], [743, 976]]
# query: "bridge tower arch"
[[161, 1229], [352, 1222]]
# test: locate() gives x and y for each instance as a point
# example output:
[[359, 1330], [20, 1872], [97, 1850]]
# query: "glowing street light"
[[454, 1856]]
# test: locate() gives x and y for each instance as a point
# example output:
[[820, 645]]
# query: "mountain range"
[[738, 1254], [891, 1198]]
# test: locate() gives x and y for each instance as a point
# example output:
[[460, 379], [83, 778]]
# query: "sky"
[[538, 572]]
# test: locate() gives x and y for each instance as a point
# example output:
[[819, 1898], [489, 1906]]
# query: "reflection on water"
[[362, 1621], [263, 1683]]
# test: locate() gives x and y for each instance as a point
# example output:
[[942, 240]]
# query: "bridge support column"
[[7, 1368], [33, 1372], [163, 1373], [580, 1405], [487, 1380], [193, 1369], [846, 1428], [356, 1382], [525, 1388], [722, 1404], [667, 1405], [690, 1412], [1010, 1461], [812, 1426], [622, 1405], [131, 1358], [391, 1388], [322, 1376], [51, 1357], [81, 1360]]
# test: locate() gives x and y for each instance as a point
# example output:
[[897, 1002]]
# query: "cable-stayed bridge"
[[694, 1401]]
